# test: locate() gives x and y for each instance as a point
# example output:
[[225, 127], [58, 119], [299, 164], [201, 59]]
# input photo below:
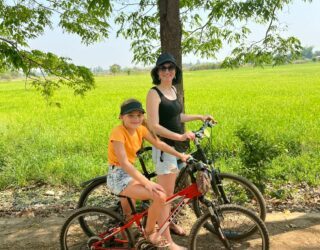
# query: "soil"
[[32, 218]]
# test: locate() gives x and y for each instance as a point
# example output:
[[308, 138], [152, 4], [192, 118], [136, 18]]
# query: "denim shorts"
[[117, 179], [165, 163]]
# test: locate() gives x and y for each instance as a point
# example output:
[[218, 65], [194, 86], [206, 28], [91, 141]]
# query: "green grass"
[[43, 143]]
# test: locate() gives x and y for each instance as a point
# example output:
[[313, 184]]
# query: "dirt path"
[[287, 230]]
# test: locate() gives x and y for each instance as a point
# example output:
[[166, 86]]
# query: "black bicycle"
[[226, 188]]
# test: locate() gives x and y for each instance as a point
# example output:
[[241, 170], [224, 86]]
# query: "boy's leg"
[[136, 191]]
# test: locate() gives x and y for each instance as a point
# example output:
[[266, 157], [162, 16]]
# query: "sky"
[[301, 18]]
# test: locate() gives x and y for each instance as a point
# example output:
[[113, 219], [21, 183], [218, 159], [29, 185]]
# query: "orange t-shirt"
[[132, 143]]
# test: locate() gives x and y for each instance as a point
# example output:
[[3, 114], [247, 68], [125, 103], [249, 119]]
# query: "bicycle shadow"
[[294, 231], [287, 222]]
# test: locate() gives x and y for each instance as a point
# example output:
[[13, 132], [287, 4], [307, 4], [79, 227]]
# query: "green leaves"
[[88, 19], [20, 23], [227, 22], [273, 50], [58, 71], [256, 152], [23, 20], [140, 23], [103, 5], [46, 71]]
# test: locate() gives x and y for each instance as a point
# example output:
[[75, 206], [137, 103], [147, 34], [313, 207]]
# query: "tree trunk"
[[171, 34]]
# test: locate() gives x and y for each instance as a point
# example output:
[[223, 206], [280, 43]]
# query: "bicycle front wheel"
[[235, 222], [235, 190], [100, 222], [97, 194]]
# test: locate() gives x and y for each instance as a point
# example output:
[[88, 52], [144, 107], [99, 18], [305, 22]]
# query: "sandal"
[[177, 230], [161, 242]]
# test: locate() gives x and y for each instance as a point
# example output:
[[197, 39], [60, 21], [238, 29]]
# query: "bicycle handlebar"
[[198, 165], [206, 124], [142, 150]]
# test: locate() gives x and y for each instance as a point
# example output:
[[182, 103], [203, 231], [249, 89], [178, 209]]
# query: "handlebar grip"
[[190, 160], [210, 123], [200, 166], [142, 150]]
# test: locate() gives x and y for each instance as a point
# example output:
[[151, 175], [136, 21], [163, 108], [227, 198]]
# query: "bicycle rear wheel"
[[99, 222], [97, 194], [235, 222]]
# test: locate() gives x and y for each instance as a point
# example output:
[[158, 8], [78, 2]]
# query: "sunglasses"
[[163, 68]]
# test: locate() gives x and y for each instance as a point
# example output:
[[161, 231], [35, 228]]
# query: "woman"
[[165, 118]]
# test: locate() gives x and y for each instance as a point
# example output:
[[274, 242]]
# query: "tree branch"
[[47, 7], [273, 17], [30, 60], [126, 5], [12, 43]]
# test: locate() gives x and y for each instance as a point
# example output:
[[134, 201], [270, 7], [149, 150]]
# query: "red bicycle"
[[106, 229]]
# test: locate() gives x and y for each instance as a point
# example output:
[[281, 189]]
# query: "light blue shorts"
[[164, 162], [117, 179]]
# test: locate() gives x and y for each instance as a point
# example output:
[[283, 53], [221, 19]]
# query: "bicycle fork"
[[217, 186], [215, 220]]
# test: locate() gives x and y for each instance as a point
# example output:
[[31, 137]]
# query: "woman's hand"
[[207, 118], [188, 136], [184, 157]]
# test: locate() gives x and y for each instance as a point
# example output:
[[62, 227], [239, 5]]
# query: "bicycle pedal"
[[143, 244], [92, 240], [231, 235], [161, 248]]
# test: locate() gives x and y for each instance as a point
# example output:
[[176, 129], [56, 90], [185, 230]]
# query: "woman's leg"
[[126, 209], [166, 168], [167, 181]]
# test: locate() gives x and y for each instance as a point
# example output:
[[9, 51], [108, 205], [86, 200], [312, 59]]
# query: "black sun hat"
[[162, 59]]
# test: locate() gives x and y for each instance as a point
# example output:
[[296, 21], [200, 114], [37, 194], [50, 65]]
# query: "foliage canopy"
[[206, 26]]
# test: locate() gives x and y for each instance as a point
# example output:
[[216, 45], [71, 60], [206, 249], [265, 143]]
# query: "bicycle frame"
[[185, 195], [216, 182]]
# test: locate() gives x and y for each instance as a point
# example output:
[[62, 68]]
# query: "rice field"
[[68, 144]]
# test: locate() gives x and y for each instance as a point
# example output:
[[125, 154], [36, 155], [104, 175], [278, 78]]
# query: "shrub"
[[256, 152], [2, 157]]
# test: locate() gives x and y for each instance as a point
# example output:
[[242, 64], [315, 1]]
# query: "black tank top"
[[169, 114]]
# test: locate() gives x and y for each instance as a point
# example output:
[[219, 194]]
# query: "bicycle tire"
[[96, 195], [201, 238], [250, 197], [106, 219]]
